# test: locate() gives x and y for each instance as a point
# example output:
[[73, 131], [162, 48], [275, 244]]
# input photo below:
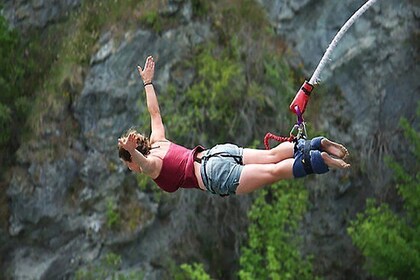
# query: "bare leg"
[[334, 149], [255, 176], [282, 151], [334, 162]]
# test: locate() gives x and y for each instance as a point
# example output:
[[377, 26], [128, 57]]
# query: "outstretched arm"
[[158, 130]]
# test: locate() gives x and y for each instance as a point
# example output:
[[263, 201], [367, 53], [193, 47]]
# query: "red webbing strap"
[[280, 139]]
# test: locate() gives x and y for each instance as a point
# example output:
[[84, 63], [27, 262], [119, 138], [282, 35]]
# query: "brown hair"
[[143, 145]]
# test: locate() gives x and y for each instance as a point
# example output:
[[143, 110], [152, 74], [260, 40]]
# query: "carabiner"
[[300, 125]]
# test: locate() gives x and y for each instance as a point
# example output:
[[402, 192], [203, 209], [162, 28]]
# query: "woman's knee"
[[283, 169], [282, 151]]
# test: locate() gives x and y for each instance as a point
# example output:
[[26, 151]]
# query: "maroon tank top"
[[178, 168]]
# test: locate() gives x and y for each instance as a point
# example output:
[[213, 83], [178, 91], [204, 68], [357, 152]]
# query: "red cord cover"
[[302, 97], [280, 139]]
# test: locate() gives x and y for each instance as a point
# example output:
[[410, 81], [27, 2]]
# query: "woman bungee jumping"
[[224, 169]]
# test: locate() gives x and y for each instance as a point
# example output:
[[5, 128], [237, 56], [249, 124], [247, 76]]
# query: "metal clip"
[[300, 125]]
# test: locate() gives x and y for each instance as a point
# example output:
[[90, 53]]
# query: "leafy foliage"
[[194, 271], [112, 214], [90, 21], [108, 268], [221, 104], [14, 102], [199, 7], [214, 97], [389, 240], [153, 20], [272, 251], [234, 92]]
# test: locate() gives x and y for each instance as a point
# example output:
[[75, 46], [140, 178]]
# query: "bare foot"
[[334, 162], [334, 149]]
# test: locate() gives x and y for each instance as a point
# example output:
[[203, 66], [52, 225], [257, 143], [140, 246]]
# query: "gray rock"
[[58, 193], [24, 14]]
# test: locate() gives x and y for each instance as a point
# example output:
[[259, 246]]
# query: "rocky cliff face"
[[59, 206]]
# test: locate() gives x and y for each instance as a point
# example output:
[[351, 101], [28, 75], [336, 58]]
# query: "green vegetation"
[[221, 97], [272, 250], [109, 267], [153, 20], [240, 80], [200, 8], [112, 215], [90, 21], [124, 213], [194, 271], [14, 100], [390, 239], [153, 15], [65, 49], [48, 65], [212, 100]]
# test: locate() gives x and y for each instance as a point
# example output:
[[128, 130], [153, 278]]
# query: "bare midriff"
[[197, 167]]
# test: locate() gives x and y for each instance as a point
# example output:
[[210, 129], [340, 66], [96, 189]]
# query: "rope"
[[315, 76]]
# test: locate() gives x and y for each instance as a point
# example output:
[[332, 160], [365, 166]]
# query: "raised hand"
[[149, 70]]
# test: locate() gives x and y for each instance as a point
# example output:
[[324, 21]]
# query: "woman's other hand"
[[128, 143]]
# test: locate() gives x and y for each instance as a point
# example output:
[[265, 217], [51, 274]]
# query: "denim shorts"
[[221, 168]]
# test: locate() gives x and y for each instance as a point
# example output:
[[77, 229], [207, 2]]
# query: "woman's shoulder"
[[160, 148], [160, 143], [154, 140]]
